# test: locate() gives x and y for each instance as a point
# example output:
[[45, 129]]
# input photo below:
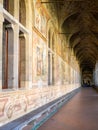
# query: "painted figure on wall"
[[39, 61], [39, 58], [40, 18]]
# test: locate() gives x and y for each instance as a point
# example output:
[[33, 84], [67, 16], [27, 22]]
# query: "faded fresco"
[[39, 58], [40, 18], [66, 73], [40, 62], [63, 72], [59, 70]]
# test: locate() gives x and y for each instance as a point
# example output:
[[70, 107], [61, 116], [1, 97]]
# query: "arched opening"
[[7, 56], [87, 78], [22, 12], [22, 60], [53, 48], [9, 6], [49, 61]]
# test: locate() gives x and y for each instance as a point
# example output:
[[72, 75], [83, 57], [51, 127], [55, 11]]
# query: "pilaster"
[[1, 33], [29, 60], [16, 56]]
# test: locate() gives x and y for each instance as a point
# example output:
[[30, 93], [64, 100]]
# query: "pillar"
[[29, 61], [49, 68], [1, 33], [16, 57], [10, 56]]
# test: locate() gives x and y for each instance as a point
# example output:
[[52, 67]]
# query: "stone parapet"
[[16, 103]]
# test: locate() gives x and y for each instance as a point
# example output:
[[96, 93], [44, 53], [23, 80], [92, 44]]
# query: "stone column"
[[16, 56], [49, 68], [10, 55], [96, 74], [52, 69], [1, 33], [29, 60]]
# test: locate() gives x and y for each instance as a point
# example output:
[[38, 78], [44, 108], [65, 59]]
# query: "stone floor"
[[16, 124], [80, 113]]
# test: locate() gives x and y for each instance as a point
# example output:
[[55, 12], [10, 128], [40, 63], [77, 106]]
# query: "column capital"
[[22, 35], [9, 26]]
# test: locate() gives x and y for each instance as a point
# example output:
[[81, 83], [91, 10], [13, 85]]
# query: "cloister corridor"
[[78, 114], [48, 64]]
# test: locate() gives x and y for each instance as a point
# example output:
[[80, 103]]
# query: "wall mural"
[[39, 58], [39, 61], [16, 104], [44, 58], [40, 18], [63, 72]]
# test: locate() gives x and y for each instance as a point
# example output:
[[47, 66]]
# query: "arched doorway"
[[7, 55]]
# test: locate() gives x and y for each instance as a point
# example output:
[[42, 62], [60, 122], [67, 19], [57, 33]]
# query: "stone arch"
[[7, 55]]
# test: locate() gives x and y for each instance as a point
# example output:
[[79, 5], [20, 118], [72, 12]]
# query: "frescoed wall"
[[40, 18], [35, 51], [63, 72], [39, 59], [58, 71]]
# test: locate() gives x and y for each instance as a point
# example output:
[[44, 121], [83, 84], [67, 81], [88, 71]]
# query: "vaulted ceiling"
[[78, 20]]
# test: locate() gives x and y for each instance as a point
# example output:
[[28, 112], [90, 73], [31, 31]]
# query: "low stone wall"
[[16, 103]]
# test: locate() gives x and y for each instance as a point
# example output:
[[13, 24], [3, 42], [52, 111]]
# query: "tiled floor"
[[80, 113]]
